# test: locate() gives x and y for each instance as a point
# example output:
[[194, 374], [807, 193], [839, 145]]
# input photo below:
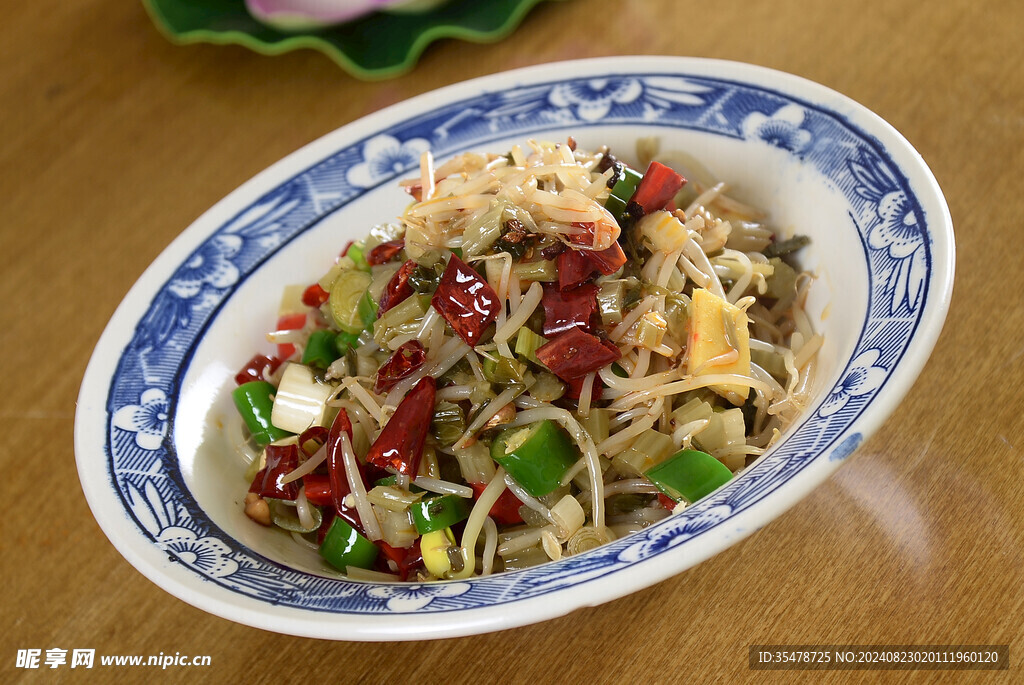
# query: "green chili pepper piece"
[[343, 546], [437, 513], [344, 342], [321, 349], [254, 403], [536, 456], [367, 310], [689, 475], [357, 253], [622, 191]]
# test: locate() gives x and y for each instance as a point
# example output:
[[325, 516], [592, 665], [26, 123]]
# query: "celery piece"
[[651, 329], [448, 423], [481, 232], [596, 424], [503, 370], [692, 411], [609, 301], [406, 311], [544, 270], [527, 343], [769, 361], [677, 315], [782, 282], [291, 301], [649, 449], [547, 388], [725, 429]]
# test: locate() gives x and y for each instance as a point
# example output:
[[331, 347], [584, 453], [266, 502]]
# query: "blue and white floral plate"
[[152, 431]]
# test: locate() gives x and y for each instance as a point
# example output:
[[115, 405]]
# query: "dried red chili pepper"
[[397, 289], [314, 295], [400, 444], [574, 389], [281, 460], [255, 367], [407, 559], [608, 261], [385, 252], [574, 267], [402, 364], [311, 439], [318, 489], [465, 301], [659, 185], [506, 509], [289, 322], [336, 471], [575, 353], [569, 309]]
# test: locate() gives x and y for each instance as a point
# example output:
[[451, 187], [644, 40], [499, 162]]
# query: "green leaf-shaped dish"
[[376, 46]]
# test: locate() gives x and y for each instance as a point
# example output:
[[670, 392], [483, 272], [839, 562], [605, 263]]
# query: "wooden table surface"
[[115, 140]]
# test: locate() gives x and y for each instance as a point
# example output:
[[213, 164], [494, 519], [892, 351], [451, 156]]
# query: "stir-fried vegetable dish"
[[547, 350]]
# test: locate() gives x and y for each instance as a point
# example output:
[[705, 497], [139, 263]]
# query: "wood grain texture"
[[115, 140]]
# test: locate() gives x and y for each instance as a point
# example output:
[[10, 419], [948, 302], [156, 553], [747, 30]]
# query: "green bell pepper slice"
[[689, 475], [343, 546], [437, 513], [254, 403], [536, 456]]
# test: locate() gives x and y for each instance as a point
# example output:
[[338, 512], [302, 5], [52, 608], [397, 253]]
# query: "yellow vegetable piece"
[[664, 231], [719, 342], [434, 548]]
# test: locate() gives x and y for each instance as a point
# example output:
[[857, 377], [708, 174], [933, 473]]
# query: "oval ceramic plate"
[[153, 436], [379, 45]]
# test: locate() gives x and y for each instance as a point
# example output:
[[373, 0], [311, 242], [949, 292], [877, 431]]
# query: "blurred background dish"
[[369, 46]]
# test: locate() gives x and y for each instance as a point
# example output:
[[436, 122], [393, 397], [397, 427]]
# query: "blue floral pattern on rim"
[[143, 466]]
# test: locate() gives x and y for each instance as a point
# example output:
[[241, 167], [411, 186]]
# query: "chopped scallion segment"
[[346, 294]]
